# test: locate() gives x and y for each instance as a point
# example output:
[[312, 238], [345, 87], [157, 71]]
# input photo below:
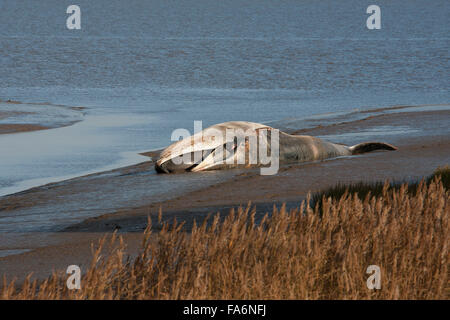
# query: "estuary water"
[[141, 69]]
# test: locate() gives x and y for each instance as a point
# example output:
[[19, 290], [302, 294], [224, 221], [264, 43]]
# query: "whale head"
[[219, 146]]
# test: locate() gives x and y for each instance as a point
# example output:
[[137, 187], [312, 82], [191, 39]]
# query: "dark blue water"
[[145, 68]]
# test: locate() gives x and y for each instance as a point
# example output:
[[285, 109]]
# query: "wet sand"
[[422, 138], [14, 127], [17, 127]]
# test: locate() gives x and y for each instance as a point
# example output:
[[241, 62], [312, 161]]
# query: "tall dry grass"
[[299, 254], [376, 188]]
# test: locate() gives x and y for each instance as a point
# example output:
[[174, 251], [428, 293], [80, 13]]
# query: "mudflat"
[[422, 138]]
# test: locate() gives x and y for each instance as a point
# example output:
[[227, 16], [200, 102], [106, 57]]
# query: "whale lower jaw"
[[163, 168]]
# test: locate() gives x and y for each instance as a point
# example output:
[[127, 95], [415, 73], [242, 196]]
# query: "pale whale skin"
[[292, 148]]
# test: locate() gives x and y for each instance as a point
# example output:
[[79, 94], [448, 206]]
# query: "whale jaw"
[[170, 167], [207, 150]]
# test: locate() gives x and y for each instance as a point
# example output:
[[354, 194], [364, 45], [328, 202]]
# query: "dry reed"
[[299, 254]]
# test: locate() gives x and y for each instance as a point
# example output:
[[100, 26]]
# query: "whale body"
[[238, 144]]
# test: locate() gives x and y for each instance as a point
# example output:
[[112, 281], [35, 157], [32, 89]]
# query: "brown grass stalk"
[[296, 254]]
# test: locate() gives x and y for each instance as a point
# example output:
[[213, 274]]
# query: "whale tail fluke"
[[370, 146]]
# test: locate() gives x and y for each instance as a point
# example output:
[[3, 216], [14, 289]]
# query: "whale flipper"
[[370, 146]]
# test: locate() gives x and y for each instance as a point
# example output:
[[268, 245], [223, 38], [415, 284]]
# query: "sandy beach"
[[422, 138]]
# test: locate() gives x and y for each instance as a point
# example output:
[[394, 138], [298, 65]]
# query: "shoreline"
[[19, 125], [18, 128], [128, 159], [44, 143], [419, 153], [123, 163]]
